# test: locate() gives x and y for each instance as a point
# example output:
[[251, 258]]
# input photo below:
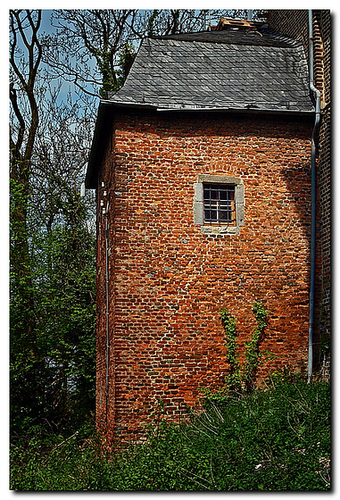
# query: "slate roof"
[[252, 70], [231, 69]]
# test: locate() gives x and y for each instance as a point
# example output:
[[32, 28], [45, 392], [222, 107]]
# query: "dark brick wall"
[[294, 23], [168, 281]]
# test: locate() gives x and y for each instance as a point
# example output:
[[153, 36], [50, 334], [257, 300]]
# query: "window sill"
[[215, 230]]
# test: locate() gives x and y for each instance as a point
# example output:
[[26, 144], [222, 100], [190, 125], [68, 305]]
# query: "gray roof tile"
[[219, 69]]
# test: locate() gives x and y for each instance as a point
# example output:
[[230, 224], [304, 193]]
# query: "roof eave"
[[258, 111], [208, 109], [98, 143]]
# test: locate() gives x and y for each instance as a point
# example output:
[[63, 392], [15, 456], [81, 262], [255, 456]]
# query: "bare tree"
[[25, 59], [95, 48], [24, 29], [87, 46]]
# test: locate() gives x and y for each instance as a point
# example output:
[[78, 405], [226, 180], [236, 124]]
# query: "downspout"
[[107, 312], [105, 211], [313, 195]]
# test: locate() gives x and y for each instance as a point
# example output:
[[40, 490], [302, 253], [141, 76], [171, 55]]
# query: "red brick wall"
[[168, 282]]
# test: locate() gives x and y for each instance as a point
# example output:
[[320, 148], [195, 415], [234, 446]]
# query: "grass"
[[270, 440]]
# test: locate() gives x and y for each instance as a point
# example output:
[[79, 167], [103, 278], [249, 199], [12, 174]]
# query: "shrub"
[[270, 440]]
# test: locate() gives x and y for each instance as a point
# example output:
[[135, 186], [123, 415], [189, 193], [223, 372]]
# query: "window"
[[219, 204]]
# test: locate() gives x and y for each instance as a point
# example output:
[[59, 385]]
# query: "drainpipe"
[[317, 94], [107, 311], [105, 211]]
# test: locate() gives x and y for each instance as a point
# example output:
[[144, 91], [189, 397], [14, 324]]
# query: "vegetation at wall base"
[[270, 440]]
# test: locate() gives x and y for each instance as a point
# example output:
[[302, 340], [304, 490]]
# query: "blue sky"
[[46, 21]]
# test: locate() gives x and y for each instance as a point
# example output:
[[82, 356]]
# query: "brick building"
[[201, 163]]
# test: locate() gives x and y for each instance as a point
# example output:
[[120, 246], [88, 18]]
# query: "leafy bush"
[[270, 440]]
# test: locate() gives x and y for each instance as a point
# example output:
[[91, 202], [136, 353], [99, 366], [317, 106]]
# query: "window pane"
[[225, 215], [225, 203], [219, 203]]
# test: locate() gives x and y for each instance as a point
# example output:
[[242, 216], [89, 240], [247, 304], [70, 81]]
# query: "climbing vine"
[[242, 377]]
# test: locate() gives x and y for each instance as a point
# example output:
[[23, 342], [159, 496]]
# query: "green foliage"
[[53, 356], [242, 376], [52, 252], [269, 440], [151, 22], [125, 60]]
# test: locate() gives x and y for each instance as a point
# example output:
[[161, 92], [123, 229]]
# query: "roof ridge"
[[261, 35]]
